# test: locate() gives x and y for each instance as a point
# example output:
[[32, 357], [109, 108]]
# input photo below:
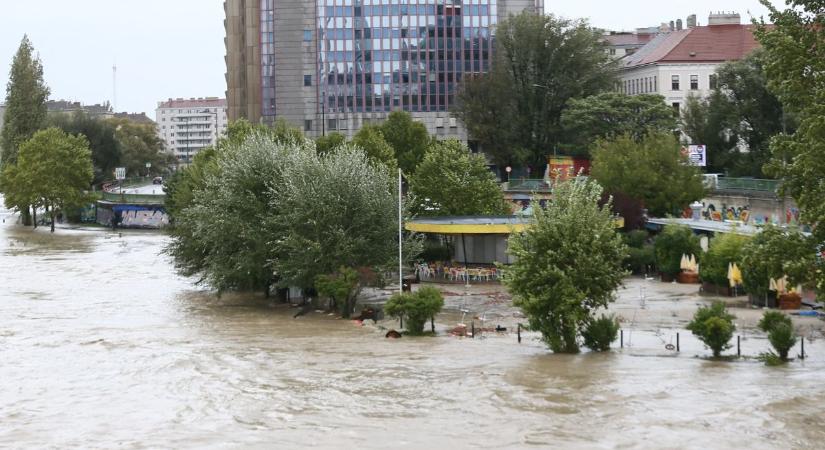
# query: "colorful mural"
[[566, 167], [743, 213]]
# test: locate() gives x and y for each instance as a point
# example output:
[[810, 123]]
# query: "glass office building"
[[380, 55], [326, 62]]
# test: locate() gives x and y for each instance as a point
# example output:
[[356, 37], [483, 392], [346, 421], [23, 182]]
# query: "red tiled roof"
[[716, 43], [708, 44]]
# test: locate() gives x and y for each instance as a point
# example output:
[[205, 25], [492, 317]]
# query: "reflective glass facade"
[[383, 55], [267, 58]]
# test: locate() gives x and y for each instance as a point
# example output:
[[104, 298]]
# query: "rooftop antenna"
[[114, 87]]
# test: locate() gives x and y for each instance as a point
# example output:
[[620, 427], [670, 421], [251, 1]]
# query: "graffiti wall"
[[144, 219], [132, 216], [752, 211]]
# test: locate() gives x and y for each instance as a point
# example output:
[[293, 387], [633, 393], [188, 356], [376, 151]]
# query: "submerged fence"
[[665, 342]]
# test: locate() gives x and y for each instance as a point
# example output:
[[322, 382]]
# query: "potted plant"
[[672, 243]]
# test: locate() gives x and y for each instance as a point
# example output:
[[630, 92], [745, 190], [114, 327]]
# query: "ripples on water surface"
[[102, 345]]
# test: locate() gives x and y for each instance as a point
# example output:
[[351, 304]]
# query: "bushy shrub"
[[415, 308], [638, 259], [780, 333], [673, 242], [782, 339], [600, 333], [725, 249], [772, 319], [640, 254], [635, 238], [714, 326]]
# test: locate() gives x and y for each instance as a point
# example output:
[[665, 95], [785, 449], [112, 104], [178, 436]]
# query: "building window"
[[307, 125], [332, 124], [694, 82], [307, 80], [713, 81], [655, 83], [307, 35], [612, 52], [674, 82], [677, 109]]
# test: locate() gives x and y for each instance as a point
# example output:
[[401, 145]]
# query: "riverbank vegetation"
[[266, 210]]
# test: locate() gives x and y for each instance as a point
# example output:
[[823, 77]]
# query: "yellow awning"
[[441, 226]]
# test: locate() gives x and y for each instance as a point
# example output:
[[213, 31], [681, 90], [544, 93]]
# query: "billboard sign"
[[697, 155]]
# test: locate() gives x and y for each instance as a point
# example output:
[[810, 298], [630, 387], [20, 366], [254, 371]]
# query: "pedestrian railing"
[[527, 184], [116, 197], [746, 184]]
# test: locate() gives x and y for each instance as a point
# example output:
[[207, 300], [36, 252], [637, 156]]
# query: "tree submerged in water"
[[271, 211], [568, 264]]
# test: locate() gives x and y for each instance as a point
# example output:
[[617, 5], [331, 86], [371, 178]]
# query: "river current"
[[102, 345]]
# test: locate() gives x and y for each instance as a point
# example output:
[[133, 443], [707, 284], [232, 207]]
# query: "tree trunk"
[[25, 215], [34, 215], [51, 214]]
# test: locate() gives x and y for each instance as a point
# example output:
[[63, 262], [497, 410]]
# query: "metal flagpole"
[[400, 239]]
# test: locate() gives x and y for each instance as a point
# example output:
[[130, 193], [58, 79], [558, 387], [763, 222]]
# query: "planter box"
[[688, 278], [711, 288], [772, 301], [790, 301]]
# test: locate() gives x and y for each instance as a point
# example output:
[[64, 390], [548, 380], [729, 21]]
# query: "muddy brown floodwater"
[[102, 345]]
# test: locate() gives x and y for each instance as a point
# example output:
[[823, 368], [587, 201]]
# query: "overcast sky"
[[174, 48]]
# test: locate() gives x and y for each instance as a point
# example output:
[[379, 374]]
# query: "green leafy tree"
[[408, 138], [451, 181], [712, 122], [568, 264], [725, 249], [370, 138], [341, 287], [26, 95], [328, 143], [106, 150], [140, 144], [795, 61], [541, 63], [334, 210], [52, 170], [180, 188], [774, 253], [221, 236], [416, 308], [611, 114], [671, 244], [640, 255], [600, 333], [740, 109], [714, 326], [273, 211], [651, 170]]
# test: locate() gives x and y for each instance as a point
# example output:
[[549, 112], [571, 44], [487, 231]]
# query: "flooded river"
[[102, 345]]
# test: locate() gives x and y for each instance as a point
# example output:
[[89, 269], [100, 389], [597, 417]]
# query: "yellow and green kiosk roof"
[[474, 225]]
